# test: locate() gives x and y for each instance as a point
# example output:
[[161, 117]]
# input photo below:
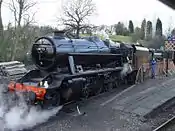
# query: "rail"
[[166, 124]]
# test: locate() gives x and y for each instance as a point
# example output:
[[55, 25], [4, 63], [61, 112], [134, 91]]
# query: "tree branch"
[[19, 8], [76, 12]]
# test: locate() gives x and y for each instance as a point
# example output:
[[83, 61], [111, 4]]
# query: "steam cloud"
[[126, 69], [18, 115], [103, 34]]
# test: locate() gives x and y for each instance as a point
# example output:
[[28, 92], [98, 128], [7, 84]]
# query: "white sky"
[[109, 12]]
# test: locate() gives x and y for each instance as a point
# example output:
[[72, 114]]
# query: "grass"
[[121, 38], [116, 37]]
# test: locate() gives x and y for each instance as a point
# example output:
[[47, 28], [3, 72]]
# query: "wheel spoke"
[[98, 91], [85, 92]]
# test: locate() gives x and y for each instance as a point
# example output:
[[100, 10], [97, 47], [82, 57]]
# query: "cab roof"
[[170, 3]]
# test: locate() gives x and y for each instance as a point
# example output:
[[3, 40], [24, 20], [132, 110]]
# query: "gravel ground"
[[95, 119], [172, 128], [161, 115]]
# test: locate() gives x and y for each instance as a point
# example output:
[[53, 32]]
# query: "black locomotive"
[[69, 69]]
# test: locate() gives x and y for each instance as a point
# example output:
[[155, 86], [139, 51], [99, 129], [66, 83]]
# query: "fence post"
[[141, 73], [167, 64]]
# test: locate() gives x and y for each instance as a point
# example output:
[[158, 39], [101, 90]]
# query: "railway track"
[[166, 125]]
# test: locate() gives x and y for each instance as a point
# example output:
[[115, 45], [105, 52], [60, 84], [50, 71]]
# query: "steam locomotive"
[[69, 69]]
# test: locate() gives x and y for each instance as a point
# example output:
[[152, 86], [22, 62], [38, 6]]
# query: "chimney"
[[59, 33]]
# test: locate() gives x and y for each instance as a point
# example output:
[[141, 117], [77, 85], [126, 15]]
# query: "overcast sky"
[[109, 12]]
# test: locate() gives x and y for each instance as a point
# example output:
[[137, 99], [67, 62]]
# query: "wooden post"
[[173, 58], [167, 64], [142, 79]]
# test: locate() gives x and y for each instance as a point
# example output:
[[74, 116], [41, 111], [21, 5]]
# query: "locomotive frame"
[[65, 87]]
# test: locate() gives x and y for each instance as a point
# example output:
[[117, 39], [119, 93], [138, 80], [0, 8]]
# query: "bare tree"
[[1, 24], [75, 14], [20, 10]]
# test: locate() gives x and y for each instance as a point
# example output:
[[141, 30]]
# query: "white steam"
[[126, 69], [19, 115], [103, 34], [14, 119]]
